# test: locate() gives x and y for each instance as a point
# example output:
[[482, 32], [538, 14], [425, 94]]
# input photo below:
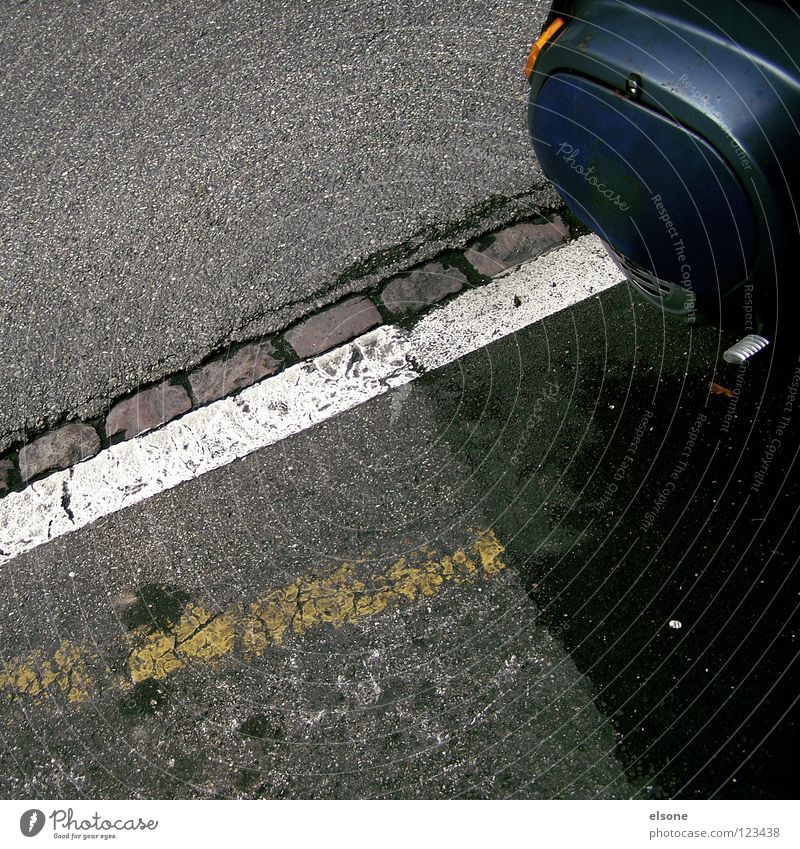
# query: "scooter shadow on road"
[[647, 493]]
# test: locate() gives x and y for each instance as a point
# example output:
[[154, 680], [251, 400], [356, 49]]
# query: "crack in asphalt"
[[373, 270]]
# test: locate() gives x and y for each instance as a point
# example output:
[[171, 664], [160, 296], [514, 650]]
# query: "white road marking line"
[[547, 285], [298, 398]]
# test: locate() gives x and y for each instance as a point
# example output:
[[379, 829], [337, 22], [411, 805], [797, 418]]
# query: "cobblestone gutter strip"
[[400, 300], [299, 397]]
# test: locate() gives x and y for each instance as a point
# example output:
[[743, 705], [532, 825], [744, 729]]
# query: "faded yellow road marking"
[[34, 675], [347, 596]]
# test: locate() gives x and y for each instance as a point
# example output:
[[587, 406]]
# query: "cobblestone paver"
[[58, 449], [511, 247], [147, 409], [228, 374], [423, 287], [403, 295], [6, 475], [334, 326]]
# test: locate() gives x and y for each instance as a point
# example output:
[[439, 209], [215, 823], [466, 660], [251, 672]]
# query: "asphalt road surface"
[[176, 176], [559, 567]]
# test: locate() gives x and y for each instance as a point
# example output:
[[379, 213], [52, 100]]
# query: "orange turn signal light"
[[540, 43]]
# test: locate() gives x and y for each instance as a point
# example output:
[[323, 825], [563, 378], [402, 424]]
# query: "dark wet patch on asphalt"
[[144, 699], [631, 506], [157, 606], [263, 726]]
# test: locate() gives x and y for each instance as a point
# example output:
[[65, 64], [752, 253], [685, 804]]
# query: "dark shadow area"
[[653, 519]]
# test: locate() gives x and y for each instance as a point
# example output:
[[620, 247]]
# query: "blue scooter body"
[[672, 131]]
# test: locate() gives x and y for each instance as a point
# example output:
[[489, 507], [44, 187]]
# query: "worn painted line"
[[549, 284], [299, 398], [347, 595], [204, 440]]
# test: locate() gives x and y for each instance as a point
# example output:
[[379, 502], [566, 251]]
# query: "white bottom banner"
[[354, 824]]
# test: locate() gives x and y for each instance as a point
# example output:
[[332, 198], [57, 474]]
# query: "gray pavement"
[[174, 177], [458, 692], [304, 622]]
